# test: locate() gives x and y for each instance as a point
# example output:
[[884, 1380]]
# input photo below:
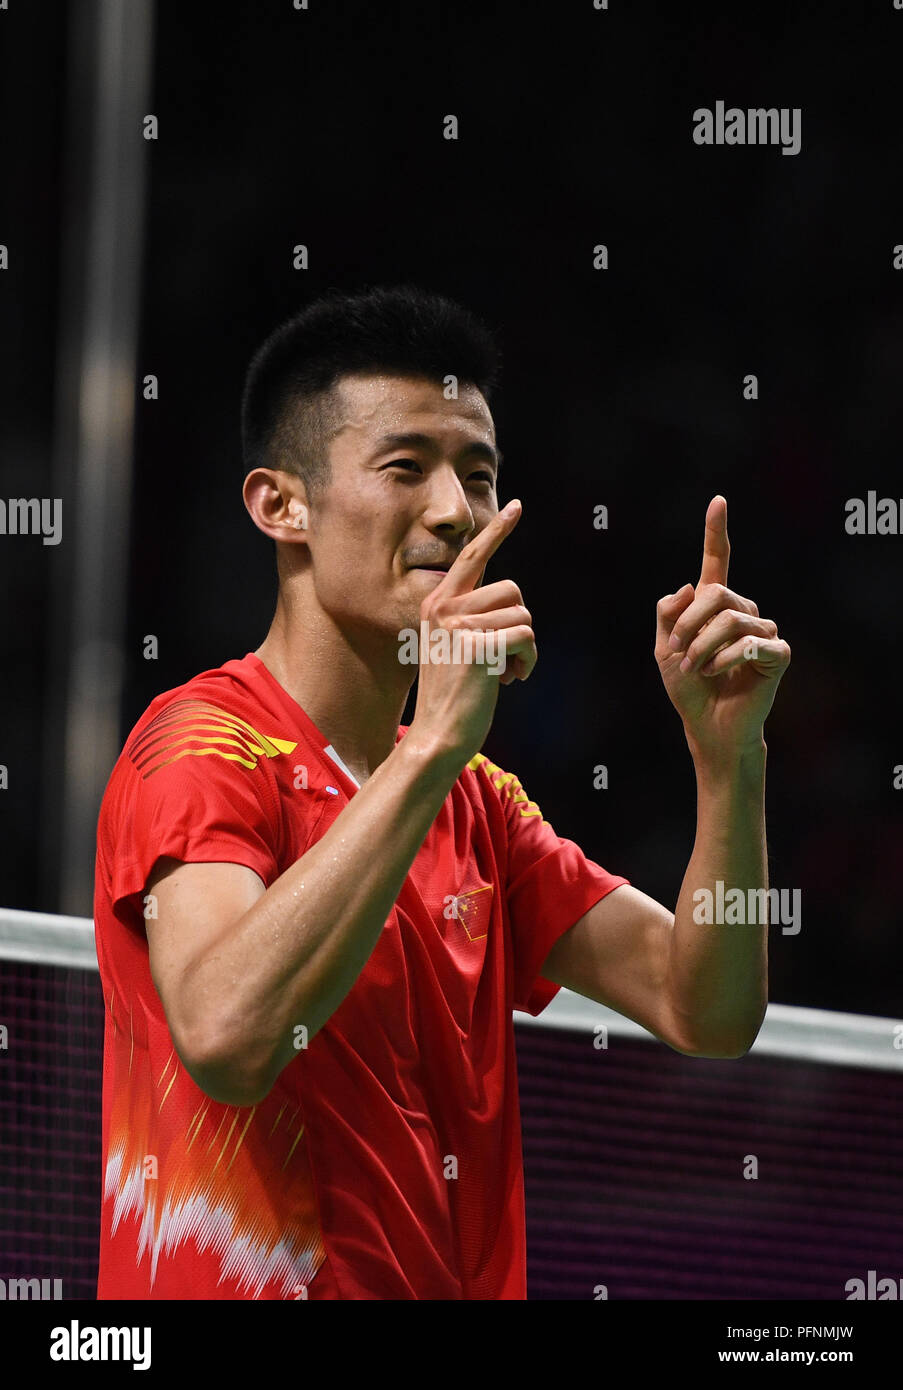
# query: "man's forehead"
[[377, 405]]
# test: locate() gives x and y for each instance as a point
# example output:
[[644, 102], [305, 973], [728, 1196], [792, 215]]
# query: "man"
[[313, 924]]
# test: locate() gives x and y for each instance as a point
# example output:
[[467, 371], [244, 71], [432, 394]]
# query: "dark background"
[[621, 387]]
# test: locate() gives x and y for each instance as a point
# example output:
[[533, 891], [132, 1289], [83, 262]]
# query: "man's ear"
[[277, 502]]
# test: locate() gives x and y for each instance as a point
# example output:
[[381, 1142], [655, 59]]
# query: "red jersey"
[[386, 1161]]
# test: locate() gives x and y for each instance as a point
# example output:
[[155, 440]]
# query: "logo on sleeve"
[[193, 728]]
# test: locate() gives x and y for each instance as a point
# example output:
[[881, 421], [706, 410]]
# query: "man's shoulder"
[[220, 712], [222, 707], [205, 755], [505, 787]]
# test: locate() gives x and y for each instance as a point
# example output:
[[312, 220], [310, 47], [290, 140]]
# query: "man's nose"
[[448, 506]]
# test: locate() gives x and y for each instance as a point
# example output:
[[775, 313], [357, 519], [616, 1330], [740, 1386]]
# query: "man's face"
[[398, 504]]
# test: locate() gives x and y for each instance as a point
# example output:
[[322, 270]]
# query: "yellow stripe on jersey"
[[194, 722], [507, 784]]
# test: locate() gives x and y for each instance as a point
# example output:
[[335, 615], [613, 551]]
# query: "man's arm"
[[239, 967], [701, 989]]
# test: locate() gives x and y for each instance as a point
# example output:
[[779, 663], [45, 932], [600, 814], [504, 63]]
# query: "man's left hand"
[[720, 662]]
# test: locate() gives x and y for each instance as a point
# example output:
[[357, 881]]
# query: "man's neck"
[[355, 694]]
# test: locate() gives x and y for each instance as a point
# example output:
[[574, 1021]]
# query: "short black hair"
[[289, 408]]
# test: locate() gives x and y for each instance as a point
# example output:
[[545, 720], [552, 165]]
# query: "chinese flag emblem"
[[473, 910]]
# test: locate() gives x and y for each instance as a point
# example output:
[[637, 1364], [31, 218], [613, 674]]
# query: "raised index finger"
[[716, 548], [467, 571]]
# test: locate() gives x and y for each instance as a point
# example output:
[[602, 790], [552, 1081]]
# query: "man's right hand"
[[456, 699]]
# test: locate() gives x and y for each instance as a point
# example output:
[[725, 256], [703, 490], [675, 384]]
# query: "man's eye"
[[483, 476]]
